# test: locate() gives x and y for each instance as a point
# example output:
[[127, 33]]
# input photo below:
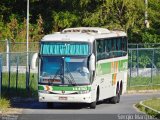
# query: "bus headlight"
[[83, 92]]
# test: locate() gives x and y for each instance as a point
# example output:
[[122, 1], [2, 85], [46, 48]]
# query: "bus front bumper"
[[69, 98]]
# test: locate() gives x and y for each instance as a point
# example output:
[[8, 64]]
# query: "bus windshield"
[[64, 70]]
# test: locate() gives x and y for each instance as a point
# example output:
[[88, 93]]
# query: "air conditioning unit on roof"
[[87, 30]]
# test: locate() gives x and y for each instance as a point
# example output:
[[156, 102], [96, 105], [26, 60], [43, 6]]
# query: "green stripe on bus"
[[56, 88], [66, 88], [40, 87], [106, 68], [123, 65]]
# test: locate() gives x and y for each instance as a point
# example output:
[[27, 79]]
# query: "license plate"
[[62, 98]]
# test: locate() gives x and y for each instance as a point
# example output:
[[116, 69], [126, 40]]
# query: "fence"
[[0, 75], [143, 67], [144, 45], [18, 78], [6, 46], [144, 64]]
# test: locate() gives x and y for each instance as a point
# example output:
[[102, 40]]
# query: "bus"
[[82, 65]]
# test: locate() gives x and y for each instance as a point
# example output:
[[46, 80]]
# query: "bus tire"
[[116, 99], [49, 104], [93, 104], [119, 93]]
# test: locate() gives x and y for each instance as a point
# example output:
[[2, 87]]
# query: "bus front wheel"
[[93, 104], [49, 104]]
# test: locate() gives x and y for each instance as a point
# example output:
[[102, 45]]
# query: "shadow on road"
[[34, 104]]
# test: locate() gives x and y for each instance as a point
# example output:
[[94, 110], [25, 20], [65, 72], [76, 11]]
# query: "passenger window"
[[99, 49], [112, 47], [124, 46], [119, 52]]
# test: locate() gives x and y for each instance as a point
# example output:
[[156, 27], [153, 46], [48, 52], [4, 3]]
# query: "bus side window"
[[116, 47], [125, 45], [103, 49], [109, 46], [113, 52], [99, 49], [111, 49], [106, 53], [119, 47]]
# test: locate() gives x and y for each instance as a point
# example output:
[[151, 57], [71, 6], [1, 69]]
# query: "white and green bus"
[[82, 65]]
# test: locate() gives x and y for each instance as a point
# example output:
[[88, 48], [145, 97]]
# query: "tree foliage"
[[47, 16]]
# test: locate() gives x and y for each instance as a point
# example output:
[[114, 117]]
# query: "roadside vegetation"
[[144, 83], [134, 83], [4, 105], [19, 90], [11, 91], [154, 104], [54, 15], [50, 16]]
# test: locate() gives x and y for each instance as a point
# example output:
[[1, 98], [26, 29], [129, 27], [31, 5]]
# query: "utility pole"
[[27, 30], [146, 14], [27, 66]]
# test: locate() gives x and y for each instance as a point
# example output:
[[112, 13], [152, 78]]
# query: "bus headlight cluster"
[[84, 92]]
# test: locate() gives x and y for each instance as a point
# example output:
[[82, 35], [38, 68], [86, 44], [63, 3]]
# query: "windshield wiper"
[[72, 81], [69, 80], [58, 73]]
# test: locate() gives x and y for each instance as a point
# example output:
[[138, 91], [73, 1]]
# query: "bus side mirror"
[[92, 62], [34, 58]]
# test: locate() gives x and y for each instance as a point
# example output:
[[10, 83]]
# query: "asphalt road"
[[124, 110]]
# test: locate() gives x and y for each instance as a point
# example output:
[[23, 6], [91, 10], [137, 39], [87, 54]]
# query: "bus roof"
[[82, 34]]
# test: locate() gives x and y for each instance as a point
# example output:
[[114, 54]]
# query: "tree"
[[63, 20], [152, 34], [55, 15]]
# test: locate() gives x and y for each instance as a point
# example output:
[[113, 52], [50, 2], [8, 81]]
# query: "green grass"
[[133, 84], [144, 83], [4, 105], [138, 88], [21, 85], [153, 103], [9, 92]]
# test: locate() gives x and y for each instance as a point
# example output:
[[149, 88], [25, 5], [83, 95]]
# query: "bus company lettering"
[[79, 88]]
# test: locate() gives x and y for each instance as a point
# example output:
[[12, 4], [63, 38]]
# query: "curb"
[[155, 113], [145, 106], [138, 110], [142, 91]]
